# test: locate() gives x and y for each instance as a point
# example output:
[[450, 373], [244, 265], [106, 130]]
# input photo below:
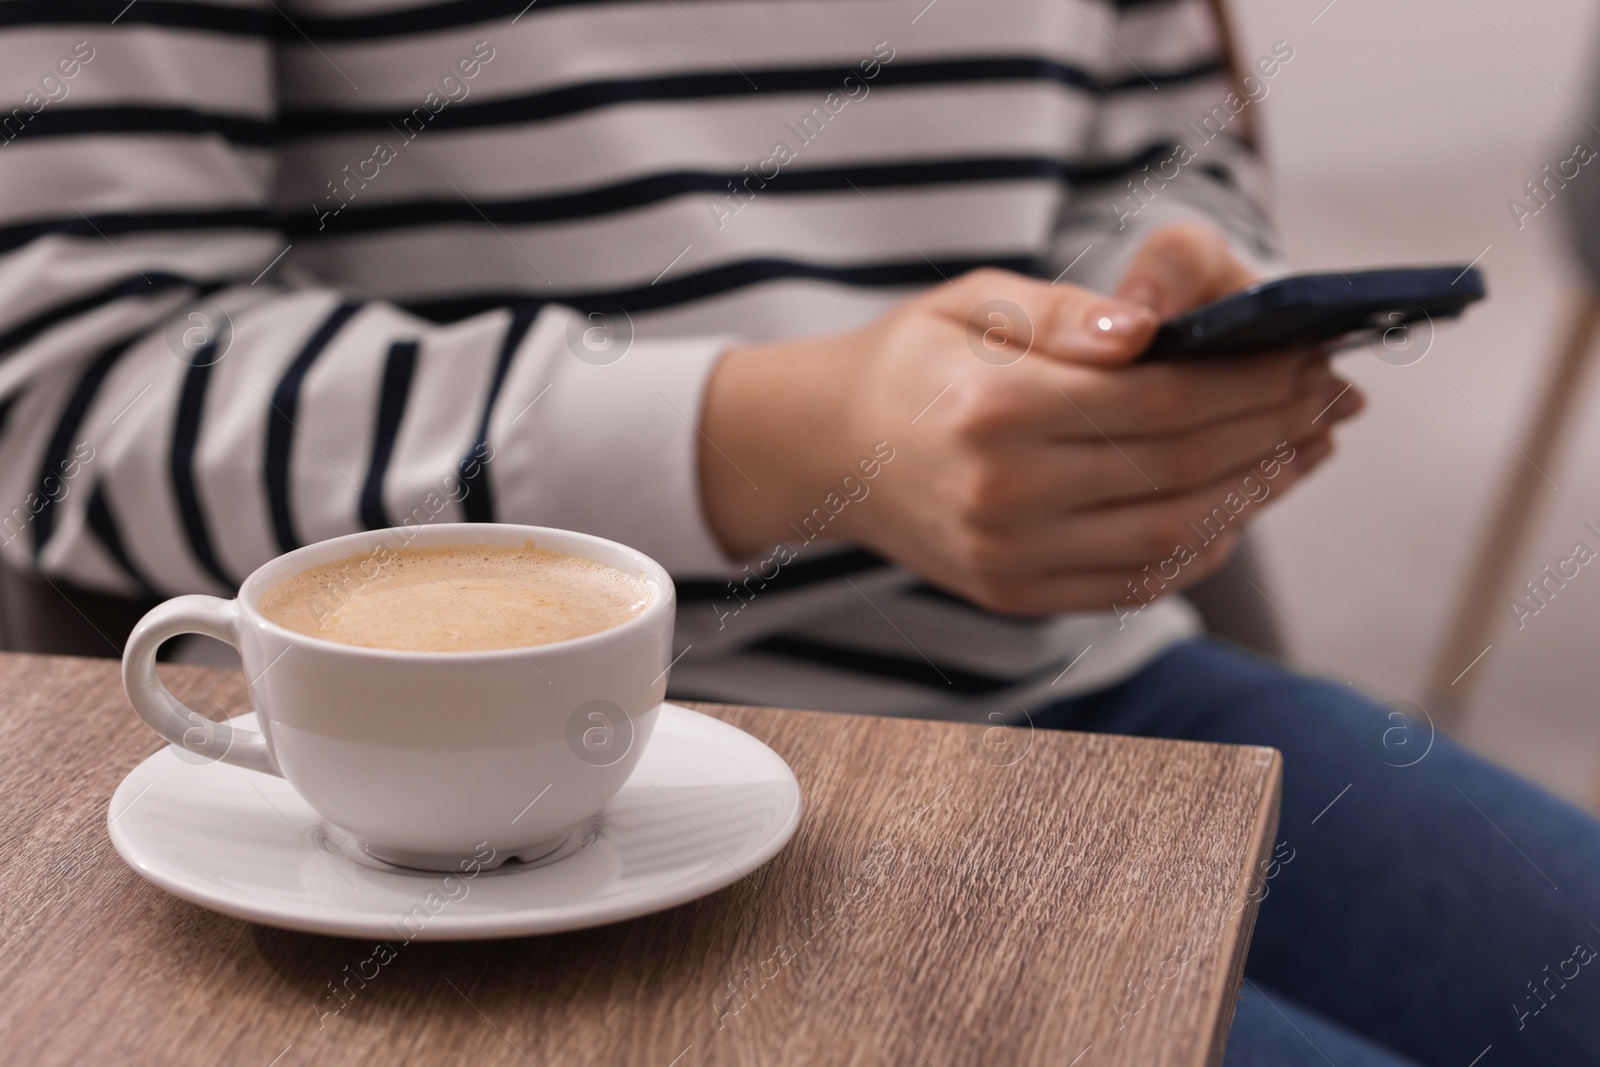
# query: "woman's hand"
[[1035, 470]]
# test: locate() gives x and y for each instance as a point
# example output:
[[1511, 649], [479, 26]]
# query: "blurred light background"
[[1397, 135]]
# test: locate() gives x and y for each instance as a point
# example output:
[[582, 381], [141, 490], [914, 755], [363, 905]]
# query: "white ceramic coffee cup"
[[423, 757]]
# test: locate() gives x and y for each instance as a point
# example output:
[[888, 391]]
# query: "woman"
[[802, 299]]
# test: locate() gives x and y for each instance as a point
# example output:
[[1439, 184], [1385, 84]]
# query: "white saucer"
[[707, 805]]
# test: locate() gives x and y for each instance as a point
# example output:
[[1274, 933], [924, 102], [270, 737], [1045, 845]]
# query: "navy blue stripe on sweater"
[[544, 106], [281, 428], [185, 443], [919, 670], [567, 100], [114, 223], [567, 206], [453, 14], [792, 576], [719, 280], [633, 193], [131, 119], [378, 25], [477, 502], [150, 284], [226, 19], [399, 368], [64, 440]]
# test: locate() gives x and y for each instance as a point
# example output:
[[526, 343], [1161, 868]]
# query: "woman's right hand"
[[1035, 470]]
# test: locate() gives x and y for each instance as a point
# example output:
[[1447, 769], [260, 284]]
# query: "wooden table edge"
[[1237, 937], [1240, 932]]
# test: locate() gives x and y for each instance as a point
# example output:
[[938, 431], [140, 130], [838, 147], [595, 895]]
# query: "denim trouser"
[[1435, 906]]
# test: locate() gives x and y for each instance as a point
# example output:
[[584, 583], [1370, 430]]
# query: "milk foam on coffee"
[[455, 598]]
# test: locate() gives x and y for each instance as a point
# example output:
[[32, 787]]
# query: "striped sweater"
[[273, 271]]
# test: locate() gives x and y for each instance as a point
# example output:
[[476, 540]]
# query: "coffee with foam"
[[456, 598]]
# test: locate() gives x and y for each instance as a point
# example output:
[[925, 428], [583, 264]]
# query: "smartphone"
[[1304, 311]]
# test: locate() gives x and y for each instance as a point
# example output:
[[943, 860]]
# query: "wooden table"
[[954, 895]]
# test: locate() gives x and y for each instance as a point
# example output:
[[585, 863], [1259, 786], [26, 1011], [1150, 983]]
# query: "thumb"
[[1008, 316], [1098, 330], [1182, 267]]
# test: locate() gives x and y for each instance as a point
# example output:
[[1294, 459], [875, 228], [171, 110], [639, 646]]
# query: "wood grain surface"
[[954, 895]]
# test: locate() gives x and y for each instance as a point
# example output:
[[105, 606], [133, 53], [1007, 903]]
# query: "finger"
[[1007, 317], [1122, 590], [1181, 267], [1232, 448], [1074, 402], [1154, 529], [1028, 482]]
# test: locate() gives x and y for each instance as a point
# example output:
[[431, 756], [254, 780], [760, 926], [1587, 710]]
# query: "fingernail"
[[1111, 324]]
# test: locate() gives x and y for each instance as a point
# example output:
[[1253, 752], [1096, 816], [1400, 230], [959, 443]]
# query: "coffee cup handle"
[[165, 713]]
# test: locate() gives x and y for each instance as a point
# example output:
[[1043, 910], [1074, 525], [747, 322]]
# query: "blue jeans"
[[1435, 908]]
